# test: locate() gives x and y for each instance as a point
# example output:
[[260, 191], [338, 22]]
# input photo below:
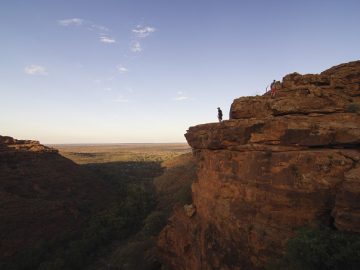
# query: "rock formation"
[[277, 165], [42, 195]]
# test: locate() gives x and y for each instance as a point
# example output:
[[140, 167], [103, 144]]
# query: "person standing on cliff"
[[273, 88], [220, 114]]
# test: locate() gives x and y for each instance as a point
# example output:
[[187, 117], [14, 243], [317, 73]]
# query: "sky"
[[113, 71]]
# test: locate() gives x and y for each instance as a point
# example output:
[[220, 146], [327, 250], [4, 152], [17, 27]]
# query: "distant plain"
[[135, 152]]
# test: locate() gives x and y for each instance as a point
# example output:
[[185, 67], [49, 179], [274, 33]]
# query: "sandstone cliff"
[[278, 164], [42, 195]]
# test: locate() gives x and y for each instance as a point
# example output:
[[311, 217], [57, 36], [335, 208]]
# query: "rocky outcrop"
[[9, 144], [42, 195], [278, 164]]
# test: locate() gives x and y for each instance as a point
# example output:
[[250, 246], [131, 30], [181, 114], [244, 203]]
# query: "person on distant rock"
[[273, 88], [220, 114]]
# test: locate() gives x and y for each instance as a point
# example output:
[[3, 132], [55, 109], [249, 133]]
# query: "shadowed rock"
[[42, 195]]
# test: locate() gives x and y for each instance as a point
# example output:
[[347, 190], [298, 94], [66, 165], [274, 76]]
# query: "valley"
[[126, 210]]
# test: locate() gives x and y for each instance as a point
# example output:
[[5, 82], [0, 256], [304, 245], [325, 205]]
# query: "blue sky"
[[144, 71]]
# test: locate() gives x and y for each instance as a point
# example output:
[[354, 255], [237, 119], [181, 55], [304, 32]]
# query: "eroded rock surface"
[[278, 164], [9, 144]]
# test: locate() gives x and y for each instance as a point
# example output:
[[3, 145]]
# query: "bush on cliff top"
[[320, 249]]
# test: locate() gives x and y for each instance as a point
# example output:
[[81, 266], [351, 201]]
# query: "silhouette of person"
[[220, 114], [273, 88]]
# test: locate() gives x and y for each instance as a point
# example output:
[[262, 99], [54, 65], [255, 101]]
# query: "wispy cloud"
[[180, 97], [143, 31], [135, 46], [140, 32], [121, 69], [107, 39], [35, 70], [102, 80], [121, 99], [70, 22], [85, 24], [95, 27]]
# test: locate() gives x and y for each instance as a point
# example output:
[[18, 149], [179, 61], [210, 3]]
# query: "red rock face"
[[278, 164]]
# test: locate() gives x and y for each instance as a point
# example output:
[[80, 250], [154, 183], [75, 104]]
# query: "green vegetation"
[[154, 223], [173, 186], [353, 108], [321, 249]]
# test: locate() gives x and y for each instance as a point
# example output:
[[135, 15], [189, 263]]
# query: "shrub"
[[184, 195], [154, 223], [353, 108], [321, 249]]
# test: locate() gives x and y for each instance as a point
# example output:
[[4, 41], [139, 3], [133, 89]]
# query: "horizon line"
[[115, 143]]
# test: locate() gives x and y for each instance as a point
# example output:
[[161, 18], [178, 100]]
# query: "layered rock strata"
[[277, 165], [9, 144]]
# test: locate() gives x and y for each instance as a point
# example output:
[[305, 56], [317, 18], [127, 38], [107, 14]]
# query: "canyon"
[[88, 206], [277, 165], [43, 195]]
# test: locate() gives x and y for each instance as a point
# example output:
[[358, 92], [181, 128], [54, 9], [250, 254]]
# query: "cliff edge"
[[277, 165]]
